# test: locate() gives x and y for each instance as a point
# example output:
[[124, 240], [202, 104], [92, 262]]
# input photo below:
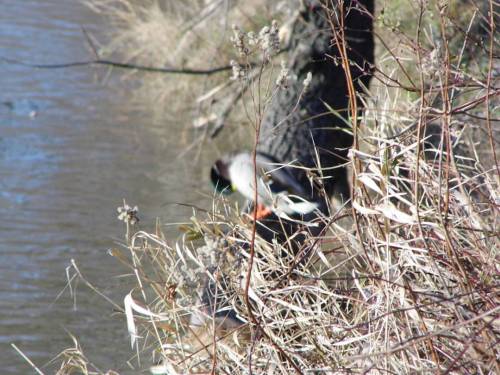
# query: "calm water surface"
[[72, 146]]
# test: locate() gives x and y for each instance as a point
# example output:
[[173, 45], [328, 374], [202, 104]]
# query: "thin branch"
[[90, 42], [116, 64], [488, 85], [230, 104]]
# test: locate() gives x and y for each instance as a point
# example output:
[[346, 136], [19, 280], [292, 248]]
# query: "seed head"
[[269, 40], [283, 76], [307, 80], [238, 71], [128, 214], [238, 40]]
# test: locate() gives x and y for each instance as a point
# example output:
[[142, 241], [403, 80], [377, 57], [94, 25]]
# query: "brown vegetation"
[[405, 280]]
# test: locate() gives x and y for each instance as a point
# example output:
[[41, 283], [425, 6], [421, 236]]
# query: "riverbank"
[[402, 281]]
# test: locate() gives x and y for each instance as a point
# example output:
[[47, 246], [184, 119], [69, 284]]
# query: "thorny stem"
[[246, 297], [398, 61], [421, 123], [341, 45], [446, 114], [214, 333], [466, 282], [488, 87], [252, 241]]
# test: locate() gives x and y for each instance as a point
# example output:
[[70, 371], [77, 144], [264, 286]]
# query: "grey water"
[[72, 145]]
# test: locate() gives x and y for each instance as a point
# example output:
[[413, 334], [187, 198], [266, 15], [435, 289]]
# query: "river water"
[[72, 145]]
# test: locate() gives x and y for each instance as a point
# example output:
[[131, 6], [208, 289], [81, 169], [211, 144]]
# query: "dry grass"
[[410, 290], [183, 34], [401, 294], [171, 32], [409, 285]]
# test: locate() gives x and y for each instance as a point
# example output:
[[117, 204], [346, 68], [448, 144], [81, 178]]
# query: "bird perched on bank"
[[278, 191]]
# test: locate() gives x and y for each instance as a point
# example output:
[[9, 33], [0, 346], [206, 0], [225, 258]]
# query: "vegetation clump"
[[403, 279]]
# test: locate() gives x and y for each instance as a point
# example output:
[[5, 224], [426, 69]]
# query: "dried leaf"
[[363, 210], [369, 182], [391, 212]]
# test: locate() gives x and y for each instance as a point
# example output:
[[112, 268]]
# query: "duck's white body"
[[277, 189]]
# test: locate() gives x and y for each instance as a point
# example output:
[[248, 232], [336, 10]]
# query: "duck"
[[278, 191]]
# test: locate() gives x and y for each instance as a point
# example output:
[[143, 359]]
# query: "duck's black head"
[[220, 178]]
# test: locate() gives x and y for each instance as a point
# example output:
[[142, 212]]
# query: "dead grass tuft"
[[178, 34]]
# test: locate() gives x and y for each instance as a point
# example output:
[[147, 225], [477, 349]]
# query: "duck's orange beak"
[[262, 212]]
